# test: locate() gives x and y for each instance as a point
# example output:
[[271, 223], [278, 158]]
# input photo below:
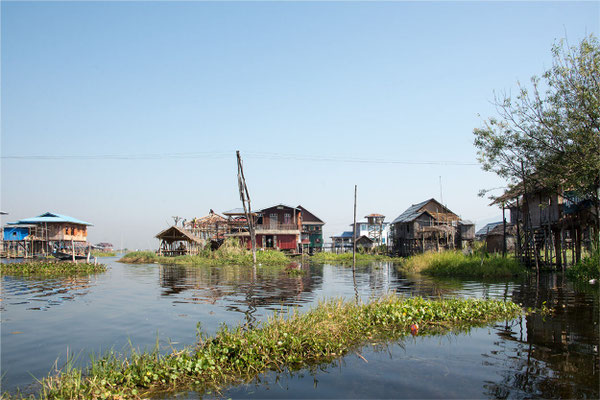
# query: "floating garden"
[[236, 355], [48, 267]]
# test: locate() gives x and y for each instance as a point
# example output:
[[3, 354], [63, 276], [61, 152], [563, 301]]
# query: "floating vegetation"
[[586, 270], [346, 258], [48, 267], [237, 355], [230, 253], [104, 253], [457, 264]]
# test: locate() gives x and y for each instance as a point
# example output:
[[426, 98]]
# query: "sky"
[[124, 114]]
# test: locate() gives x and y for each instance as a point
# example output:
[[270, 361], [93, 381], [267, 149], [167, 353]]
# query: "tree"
[[551, 129]]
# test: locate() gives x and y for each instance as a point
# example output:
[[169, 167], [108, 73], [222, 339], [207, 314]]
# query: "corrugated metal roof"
[[411, 213], [51, 217], [347, 234], [488, 228], [234, 211]]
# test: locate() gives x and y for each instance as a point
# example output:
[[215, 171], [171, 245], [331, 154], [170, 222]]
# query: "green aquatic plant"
[[457, 264], [230, 253], [346, 258], [48, 267], [588, 269], [103, 253], [236, 355]]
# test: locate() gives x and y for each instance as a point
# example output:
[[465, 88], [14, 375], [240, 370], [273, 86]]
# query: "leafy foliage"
[[555, 134], [586, 269]]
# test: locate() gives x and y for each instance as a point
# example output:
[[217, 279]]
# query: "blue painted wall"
[[15, 233]]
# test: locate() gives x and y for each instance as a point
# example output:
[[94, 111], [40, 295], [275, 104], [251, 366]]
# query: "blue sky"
[[337, 81]]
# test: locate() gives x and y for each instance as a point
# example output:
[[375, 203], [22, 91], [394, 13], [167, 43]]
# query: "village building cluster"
[[542, 228], [279, 227]]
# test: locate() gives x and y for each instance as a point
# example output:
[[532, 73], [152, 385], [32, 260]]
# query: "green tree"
[[551, 128]]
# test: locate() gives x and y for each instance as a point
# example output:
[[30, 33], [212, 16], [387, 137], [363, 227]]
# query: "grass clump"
[[236, 355], [586, 269], [346, 258], [104, 253], [48, 267], [139, 257], [455, 263]]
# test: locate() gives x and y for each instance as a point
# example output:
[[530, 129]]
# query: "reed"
[[222, 256], [48, 267], [104, 253], [331, 330], [346, 258], [457, 264]]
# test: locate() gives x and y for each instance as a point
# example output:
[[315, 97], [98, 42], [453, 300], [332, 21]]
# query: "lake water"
[[552, 357]]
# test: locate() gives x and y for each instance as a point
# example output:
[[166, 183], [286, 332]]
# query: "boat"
[[61, 255]]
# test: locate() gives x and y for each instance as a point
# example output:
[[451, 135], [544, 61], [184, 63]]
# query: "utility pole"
[[503, 231], [354, 233], [245, 197]]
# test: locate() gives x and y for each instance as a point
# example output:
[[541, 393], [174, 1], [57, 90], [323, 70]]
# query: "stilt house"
[[428, 225], [45, 234]]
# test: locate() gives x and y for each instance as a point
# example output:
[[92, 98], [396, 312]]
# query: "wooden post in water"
[[73, 249], [503, 231], [245, 196]]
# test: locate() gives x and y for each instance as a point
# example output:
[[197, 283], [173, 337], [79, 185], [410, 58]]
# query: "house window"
[[287, 218], [66, 230]]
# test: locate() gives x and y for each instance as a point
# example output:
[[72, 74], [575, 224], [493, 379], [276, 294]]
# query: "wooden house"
[[46, 234], [496, 238], [211, 227], [277, 227], [312, 231], [549, 222], [424, 226], [342, 243]]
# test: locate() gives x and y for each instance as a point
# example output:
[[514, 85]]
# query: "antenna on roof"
[[441, 195]]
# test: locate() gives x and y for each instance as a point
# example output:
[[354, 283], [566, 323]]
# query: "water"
[[532, 356]]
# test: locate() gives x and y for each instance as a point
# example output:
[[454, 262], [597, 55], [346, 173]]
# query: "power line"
[[221, 154]]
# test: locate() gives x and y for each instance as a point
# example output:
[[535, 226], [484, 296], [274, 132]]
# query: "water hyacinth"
[[49, 267], [235, 355]]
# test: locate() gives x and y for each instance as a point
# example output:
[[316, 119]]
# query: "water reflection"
[[557, 355], [533, 356], [37, 293], [239, 288]]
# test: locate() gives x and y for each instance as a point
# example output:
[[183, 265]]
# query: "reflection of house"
[[312, 230], [44, 234], [428, 225], [276, 227], [177, 241]]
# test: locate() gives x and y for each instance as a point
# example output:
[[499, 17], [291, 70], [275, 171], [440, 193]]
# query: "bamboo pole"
[[245, 196], [354, 233]]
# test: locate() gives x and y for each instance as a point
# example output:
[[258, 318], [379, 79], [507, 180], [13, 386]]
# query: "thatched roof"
[[176, 234]]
